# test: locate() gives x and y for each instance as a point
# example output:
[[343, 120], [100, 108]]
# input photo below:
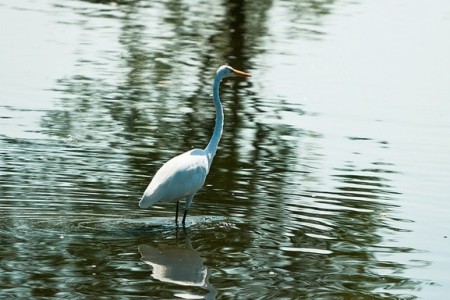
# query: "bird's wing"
[[181, 176]]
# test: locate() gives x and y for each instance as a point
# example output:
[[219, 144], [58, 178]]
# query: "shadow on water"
[[289, 231]]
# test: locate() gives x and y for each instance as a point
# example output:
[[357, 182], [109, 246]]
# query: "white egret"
[[182, 176]]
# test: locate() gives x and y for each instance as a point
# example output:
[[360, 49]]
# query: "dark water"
[[331, 180]]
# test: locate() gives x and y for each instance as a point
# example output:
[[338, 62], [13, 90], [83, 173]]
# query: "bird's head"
[[227, 71]]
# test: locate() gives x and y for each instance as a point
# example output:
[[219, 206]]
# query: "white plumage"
[[182, 176], [177, 179]]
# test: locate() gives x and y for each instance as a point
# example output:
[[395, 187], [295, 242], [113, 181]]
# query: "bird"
[[183, 175]]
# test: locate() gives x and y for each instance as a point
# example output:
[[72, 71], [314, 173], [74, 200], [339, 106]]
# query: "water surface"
[[330, 181]]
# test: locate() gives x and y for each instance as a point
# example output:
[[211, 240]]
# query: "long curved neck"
[[218, 128]]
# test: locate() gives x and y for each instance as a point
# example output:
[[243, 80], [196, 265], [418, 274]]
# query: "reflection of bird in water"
[[183, 266], [182, 176]]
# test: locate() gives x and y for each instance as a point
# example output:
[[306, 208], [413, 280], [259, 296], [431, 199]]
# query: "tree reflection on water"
[[139, 93]]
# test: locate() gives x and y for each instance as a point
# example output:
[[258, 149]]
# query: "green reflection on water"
[[127, 105]]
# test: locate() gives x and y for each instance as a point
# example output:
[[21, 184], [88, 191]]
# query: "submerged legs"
[[176, 213], [186, 208], [184, 217]]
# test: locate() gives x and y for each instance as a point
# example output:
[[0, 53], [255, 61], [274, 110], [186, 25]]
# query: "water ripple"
[[309, 195]]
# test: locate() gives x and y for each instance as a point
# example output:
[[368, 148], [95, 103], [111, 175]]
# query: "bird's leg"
[[184, 217], [186, 207], [176, 213]]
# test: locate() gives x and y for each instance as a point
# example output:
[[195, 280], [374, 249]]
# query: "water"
[[331, 180]]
